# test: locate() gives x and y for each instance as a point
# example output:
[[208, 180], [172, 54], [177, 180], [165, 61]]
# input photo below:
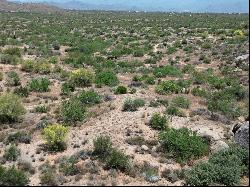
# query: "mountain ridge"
[[213, 6], [8, 6]]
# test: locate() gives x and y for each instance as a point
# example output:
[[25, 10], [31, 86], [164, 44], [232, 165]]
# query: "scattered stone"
[[152, 179], [144, 148], [218, 146], [241, 136], [242, 57]]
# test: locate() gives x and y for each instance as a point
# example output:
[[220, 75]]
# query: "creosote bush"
[[12, 153], [19, 137], [72, 110], [183, 144], [159, 122], [12, 177], [67, 88], [39, 85], [133, 105], [13, 79], [11, 108], [175, 111], [68, 166], [225, 167], [89, 98], [106, 78], [21, 91], [121, 90], [54, 136], [181, 102], [102, 146], [113, 158], [118, 160]]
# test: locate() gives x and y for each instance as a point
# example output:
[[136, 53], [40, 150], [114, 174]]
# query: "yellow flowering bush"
[[82, 77], [54, 136], [43, 67], [239, 33]]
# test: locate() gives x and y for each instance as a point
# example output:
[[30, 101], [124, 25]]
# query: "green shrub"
[[19, 137], [149, 80], [42, 67], [48, 175], [207, 45], [138, 53], [224, 103], [168, 87], [68, 166], [216, 82], [181, 102], [133, 105], [167, 71], [72, 110], [200, 77], [67, 88], [13, 79], [12, 177], [82, 77], [183, 144], [54, 136], [206, 60], [13, 51], [102, 147], [21, 91], [175, 111], [158, 122], [107, 78], [41, 109], [53, 60], [121, 90], [225, 167], [1, 76], [9, 59], [28, 66], [202, 174], [12, 153], [118, 160], [199, 92], [171, 50], [11, 108], [89, 98], [39, 85]]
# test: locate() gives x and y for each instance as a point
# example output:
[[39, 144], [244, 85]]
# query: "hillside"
[[98, 98], [7, 6]]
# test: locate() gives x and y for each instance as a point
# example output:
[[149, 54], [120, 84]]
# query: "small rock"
[[144, 148], [218, 146], [241, 136], [151, 178]]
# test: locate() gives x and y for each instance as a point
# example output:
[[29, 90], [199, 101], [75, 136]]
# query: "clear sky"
[[163, 5]]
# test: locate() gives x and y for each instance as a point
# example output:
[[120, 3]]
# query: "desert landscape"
[[109, 98]]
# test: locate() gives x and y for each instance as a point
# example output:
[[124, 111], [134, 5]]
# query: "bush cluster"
[[12, 177], [133, 105], [183, 144], [225, 167], [11, 108]]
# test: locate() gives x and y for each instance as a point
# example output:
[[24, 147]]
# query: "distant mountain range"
[[220, 6], [7, 6]]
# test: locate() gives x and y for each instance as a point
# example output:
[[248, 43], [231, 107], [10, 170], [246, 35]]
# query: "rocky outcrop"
[[241, 134]]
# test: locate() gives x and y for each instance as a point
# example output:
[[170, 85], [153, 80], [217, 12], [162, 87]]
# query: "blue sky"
[[166, 5]]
